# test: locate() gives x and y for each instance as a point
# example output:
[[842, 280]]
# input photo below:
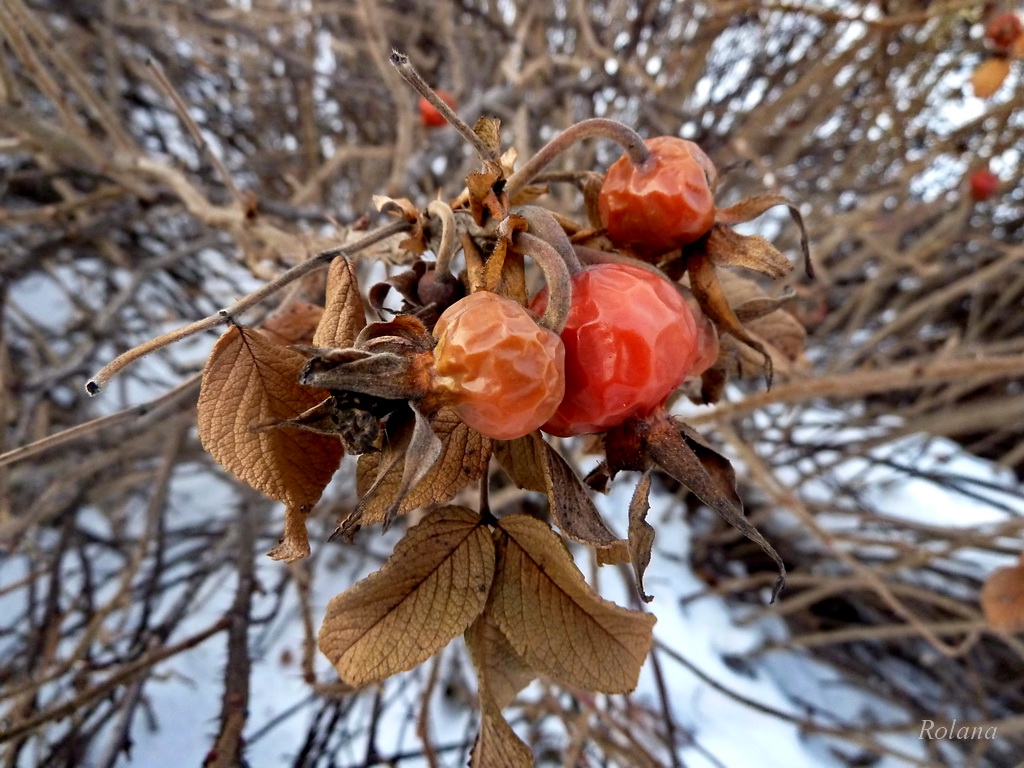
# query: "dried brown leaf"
[[784, 332], [488, 129], [344, 316], [783, 338], [536, 466], [1002, 599], [555, 620], [248, 381], [522, 462], [429, 591], [502, 672], [497, 746], [763, 316], [294, 544], [989, 76], [641, 533], [294, 323]]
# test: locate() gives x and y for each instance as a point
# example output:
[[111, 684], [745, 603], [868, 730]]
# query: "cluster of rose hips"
[[630, 338], [1004, 37], [599, 349]]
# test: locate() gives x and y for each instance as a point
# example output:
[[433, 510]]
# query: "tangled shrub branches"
[[125, 213]]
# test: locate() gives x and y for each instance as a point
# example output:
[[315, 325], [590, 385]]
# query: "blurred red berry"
[[429, 115], [1003, 30], [984, 184]]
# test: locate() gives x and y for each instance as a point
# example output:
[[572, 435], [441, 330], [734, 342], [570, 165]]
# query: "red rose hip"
[[629, 342], [665, 202]]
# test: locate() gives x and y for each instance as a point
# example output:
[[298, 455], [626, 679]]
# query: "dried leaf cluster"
[[279, 407]]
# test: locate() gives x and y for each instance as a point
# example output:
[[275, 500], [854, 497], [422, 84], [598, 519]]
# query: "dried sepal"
[[462, 459], [474, 263], [712, 382], [403, 208], [494, 268], [684, 455], [403, 335], [533, 464], [727, 248], [386, 374], [708, 291], [641, 533], [752, 207], [487, 200]]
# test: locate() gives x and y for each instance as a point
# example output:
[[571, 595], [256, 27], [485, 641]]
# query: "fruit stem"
[[448, 246], [595, 127], [546, 227], [405, 68], [556, 274]]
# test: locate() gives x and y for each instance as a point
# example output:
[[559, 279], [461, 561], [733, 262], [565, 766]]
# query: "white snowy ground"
[[725, 731]]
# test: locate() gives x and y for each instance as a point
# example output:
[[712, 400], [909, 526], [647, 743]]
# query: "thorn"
[[769, 370], [390, 515], [779, 584]]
